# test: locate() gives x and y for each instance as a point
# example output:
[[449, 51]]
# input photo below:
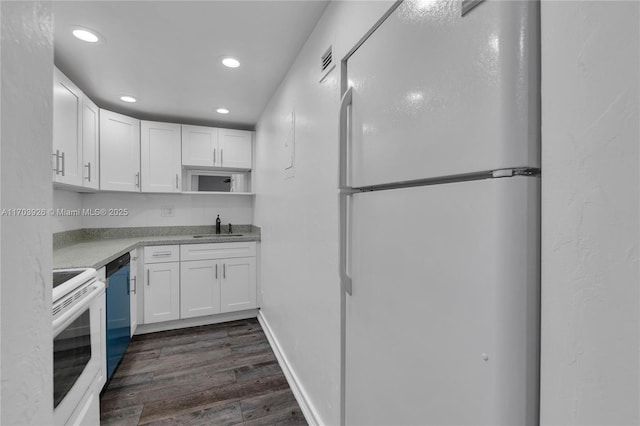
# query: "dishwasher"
[[118, 312]]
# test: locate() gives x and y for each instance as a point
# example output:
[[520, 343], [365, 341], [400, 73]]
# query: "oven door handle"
[[68, 317]]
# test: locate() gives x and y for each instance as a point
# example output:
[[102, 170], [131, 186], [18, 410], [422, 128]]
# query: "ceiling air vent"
[[326, 63]]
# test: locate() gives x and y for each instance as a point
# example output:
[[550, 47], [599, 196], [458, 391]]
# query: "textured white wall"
[[26, 133], [63, 199], [299, 215], [590, 186]]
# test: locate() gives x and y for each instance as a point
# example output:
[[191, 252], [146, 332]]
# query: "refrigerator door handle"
[[345, 103], [345, 191], [345, 231]]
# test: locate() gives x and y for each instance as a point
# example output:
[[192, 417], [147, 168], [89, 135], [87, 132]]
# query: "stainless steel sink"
[[217, 235]]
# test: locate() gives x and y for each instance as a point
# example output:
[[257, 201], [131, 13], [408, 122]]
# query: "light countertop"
[[96, 252]]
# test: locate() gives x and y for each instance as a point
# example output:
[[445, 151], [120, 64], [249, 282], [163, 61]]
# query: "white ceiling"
[[167, 55]]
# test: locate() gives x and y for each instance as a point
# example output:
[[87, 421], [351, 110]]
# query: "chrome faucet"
[[218, 221], [230, 231]]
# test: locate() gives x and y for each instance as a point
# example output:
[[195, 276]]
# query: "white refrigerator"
[[440, 216]]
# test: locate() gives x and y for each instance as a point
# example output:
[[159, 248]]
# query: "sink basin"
[[217, 235]]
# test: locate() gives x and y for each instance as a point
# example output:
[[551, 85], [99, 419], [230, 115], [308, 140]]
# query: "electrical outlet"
[[166, 211]]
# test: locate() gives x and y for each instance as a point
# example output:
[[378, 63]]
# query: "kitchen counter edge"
[[97, 253]]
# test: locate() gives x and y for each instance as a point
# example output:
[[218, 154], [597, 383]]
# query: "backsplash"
[[117, 210]]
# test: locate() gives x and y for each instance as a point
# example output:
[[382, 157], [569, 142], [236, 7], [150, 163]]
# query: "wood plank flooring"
[[222, 374]]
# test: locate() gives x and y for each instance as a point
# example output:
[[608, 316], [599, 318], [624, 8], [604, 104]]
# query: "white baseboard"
[[308, 410]]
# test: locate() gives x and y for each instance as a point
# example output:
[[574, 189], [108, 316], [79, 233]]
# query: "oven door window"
[[71, 354]]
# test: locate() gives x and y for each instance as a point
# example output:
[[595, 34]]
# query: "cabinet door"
[[119, 152], [238, 285], [235, 148], [67, 119], [160, 163], [199, 288], [200, 146], [162, 292], [90, 131], [133, 289]]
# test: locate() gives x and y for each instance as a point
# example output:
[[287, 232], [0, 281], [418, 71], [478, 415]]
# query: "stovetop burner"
[[61, 277], [67, 280]]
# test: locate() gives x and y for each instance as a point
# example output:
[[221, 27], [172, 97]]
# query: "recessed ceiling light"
[[86, 35], [231, 62], [129, 99], [222, 111]]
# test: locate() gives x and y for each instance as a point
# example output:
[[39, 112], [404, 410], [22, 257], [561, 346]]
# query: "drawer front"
[[217, 250], [158, 254]]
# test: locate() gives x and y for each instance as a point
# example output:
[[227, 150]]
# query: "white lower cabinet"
[[238, 286], [217, 278], [195, 280], [199, 288], [210, 287], [161, 292]]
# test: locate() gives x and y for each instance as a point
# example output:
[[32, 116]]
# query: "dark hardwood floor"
[[222, 374]]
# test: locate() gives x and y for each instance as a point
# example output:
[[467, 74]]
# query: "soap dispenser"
[[218, 221]]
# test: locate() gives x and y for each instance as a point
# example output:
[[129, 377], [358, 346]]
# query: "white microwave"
[[214, 181]]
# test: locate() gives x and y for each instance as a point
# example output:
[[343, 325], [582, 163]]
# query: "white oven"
[[78, 363]]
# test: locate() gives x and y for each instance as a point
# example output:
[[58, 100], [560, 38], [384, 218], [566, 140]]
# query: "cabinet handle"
[[214, 156], [135, 285], [176, 181], [161, 253], [216, 271], [57, 155], [148, 277], [138, 179], [88, 166], [62, 156], [224, 270], [221, 157]]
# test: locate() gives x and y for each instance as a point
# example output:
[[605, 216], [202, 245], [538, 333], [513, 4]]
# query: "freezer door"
[[442, 327], [437, 94]]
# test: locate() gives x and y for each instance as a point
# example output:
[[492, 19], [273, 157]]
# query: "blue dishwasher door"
[[118, 317]]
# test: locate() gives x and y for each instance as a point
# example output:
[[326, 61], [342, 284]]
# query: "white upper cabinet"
[[212, 147], [90, 138], [160, 159], [95, 149], [235, 148], [67, 128], [199, 146], [119, 152]]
